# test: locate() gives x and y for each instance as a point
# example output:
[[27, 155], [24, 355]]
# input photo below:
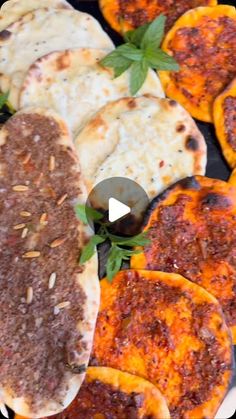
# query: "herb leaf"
[[85, 213], [139, 240], [138, 76], [3, 99], [141, 52], [114, 262], [160, 60], [89, 250], [154, 33]]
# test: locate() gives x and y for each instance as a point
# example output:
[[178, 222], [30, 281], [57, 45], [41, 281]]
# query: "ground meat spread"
[[97, 400], [39, 247], [154, 328], [138, 12], [230, 120], [206, 53], [201, 245]]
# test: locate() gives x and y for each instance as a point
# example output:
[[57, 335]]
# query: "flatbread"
[[13, 10], [150, 140], [74, 84], [203, 43], [38, 33], [192, 227], [124, 15], [164, 328], [48, 302], [224, 114], [109, 393]]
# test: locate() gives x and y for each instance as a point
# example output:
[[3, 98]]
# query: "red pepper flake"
[[161, 164]]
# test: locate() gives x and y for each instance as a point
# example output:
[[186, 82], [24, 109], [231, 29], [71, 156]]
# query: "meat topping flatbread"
[[170, 331]]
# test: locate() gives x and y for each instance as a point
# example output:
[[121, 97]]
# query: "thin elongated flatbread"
[[48, 302], [13, 10], [38, 33], [74, 84], [150, 140]]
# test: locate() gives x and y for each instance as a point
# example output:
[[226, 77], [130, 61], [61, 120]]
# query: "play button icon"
[[123, 203], [117, 210]]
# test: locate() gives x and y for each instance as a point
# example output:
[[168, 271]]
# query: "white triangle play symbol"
[[117, 210]]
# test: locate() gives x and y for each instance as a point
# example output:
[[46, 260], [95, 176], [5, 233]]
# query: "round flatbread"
[[38, 33], [109, 393], [224, 113], [48, 302], [192, 227], [13, 10], [124, 15], [74, 84], [150, 140], [203, 43], [164, 328]]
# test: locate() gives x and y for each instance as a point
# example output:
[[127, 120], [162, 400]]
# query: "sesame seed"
[[52, 280], [31, 255], [18, 226], [62, 199], [20, 188], [57, 243], [52, 163], [27, 158], [24, 233], [25, 214], [29, 295]]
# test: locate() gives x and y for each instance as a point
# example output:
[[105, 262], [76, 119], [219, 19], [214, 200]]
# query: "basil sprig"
[[141, 52], [120, 247]]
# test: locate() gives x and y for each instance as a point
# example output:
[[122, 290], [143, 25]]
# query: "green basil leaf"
[[89, 250], [115, 59], [130, 51], [160, 60], [138, 76], [138, 240], [114, 262], [121, 69], [3, 99], [154, 34], [135, 36], [85, 213]]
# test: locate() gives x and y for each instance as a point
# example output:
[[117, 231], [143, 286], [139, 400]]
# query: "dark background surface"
[[216, 166]]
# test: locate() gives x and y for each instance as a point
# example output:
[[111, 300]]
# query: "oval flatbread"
[[203, 43], [224, 113], [150, 140], [38, 33], [109, 393], [192, 227], [48, 302], [124, 15], [13, 10], [74, 84], [170, 331]]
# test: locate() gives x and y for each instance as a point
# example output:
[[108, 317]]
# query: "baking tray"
[[216, 164]]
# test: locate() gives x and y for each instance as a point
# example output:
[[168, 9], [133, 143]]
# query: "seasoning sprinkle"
[[19, 227], [57, 243], [29, 296], [52, 280], [61, 306], [62, 199], [20, 188], [25, 214], [38, 179], [31, 255], [27, 158], [24, 233], [43, 219], [52, 163]]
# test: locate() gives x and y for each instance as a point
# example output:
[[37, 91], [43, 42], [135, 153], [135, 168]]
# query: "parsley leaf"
[[89, 250]]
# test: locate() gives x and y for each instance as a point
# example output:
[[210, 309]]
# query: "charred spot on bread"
[[5, 35], [191, 143], [213, 201]]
